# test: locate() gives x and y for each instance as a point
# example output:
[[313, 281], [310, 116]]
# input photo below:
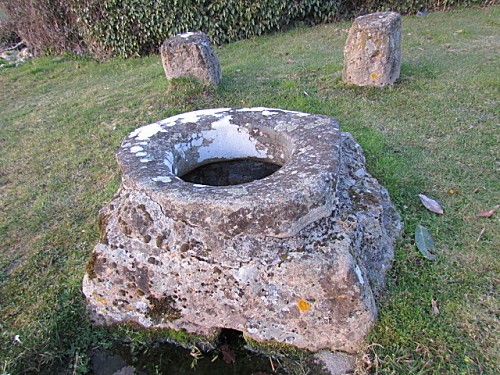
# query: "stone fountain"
[[259, 220]]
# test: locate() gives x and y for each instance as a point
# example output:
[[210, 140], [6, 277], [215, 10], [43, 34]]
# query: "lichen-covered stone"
[[190, 55], [294, 257], [372, 54]]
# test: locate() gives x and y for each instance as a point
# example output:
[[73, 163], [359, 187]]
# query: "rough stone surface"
[[295, 257], [190, 55], [372, 54], [335, 363]]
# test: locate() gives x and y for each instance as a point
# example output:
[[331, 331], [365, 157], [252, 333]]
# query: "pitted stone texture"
[[163, 267], [190, 55], [372, 54]]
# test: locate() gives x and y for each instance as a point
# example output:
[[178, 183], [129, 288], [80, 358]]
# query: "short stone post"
[[372, 54], [190, 55]]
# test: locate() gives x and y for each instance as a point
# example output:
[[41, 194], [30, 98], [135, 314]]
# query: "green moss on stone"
[[275, 348], [162, 309], [138, 335]]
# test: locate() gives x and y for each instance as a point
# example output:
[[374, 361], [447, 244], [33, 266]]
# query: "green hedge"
[[138, 27], [408, 6]]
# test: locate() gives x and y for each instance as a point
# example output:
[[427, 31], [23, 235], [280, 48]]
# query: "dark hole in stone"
[[230, 172], [230, 357]]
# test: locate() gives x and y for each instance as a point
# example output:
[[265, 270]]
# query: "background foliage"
[[138, 27]]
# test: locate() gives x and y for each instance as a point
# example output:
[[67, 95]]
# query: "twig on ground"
[[481, 234], [12, 48]]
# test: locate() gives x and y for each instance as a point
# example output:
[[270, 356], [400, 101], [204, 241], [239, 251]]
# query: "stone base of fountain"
[[294, 258]]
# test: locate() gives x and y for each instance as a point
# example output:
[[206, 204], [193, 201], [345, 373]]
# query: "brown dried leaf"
[[487, 213], [431, 204], [435, 307]]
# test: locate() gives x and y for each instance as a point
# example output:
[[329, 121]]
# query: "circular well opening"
[[230, 172], [229, 154]]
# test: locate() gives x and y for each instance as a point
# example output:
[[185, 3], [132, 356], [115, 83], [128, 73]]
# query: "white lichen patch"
[[145, 160], [357, 270], [300, 114], [272, 111], [145, 132], [141, 306], [169, 160], [269, 113], [193, 117], [135, 149], [253, 109], [141, 154], [186, 35], [165, 179]]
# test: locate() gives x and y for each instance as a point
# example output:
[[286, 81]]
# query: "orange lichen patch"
[[101, 300], [374, 76], [303, 305]]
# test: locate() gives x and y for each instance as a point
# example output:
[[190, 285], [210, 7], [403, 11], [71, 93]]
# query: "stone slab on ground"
[[372, 53], [335, 363], [295, 258], [191, 55]]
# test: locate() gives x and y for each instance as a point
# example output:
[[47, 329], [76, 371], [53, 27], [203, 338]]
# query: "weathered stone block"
[[190, 55], [372, 54], [294, 257]]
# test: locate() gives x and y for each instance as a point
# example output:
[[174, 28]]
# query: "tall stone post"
[[372, 54]]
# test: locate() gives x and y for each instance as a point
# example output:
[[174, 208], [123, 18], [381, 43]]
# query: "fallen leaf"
[[424, 242], [435, 307], [227, 354], [488, 213], [431, 204]]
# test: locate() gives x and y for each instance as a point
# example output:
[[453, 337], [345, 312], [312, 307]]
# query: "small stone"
[[335, 363], [191, 55], [372, 54]]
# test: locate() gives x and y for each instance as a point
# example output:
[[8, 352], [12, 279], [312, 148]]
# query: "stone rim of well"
[[280, 205]]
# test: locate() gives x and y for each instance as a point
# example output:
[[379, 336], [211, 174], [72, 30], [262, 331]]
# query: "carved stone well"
[[292, 255]]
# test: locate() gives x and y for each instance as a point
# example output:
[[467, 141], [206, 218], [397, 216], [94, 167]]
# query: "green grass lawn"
[[435, 132]]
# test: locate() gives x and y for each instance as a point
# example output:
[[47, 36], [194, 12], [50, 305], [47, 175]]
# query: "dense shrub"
[[134, 27], [137, 27], [45, 25], [357, 7]]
